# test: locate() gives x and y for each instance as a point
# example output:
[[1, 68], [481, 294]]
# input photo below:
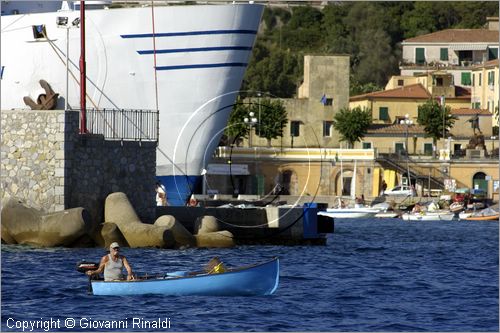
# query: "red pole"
[[83, 79]]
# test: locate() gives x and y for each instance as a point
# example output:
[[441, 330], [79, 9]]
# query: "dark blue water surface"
[[373, 275]]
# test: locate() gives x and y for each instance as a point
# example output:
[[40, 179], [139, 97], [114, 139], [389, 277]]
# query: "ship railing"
[[123, 124]]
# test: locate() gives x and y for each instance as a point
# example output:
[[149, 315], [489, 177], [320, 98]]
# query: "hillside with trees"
[[371, 32]]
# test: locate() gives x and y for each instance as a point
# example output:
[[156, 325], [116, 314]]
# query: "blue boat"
[[254, 280]]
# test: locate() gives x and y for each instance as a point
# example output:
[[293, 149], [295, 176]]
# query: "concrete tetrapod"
[[119, 210], [181, 235], [215, 239], [26, 225], [111, 233], [205, 224]]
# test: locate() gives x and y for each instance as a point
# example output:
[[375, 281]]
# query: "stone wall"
[[46, 163], [32, 157]]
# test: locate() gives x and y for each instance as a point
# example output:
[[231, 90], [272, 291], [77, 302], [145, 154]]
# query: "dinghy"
[[254, 280]]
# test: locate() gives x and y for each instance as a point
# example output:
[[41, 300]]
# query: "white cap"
[[113, 245]]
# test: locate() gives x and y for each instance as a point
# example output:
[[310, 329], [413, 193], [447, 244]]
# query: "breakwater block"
[[182, 237], [206, 224], [111, 233], [25, 225], [119, 210], [215, 239]]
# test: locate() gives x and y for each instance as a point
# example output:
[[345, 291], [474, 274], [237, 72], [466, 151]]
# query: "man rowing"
[[112, 264]]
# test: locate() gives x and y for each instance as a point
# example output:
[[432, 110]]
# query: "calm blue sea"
[[373, 275]]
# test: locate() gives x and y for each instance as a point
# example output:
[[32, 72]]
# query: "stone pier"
[[46, 163]]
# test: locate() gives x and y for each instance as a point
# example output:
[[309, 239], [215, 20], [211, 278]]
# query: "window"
[[294, 128], [327, 128], [367, 145], [399, 147], [466, 81], [419, 55], [473, 79], [491, 78], [427, 148], [480, 79], [383, 113], [329, 101], [439, 81], [492, 53], [401, 83], [443, 54]]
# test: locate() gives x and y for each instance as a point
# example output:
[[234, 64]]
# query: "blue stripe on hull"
[[180, 188], [191, 33], [196, 66], [197, 49]]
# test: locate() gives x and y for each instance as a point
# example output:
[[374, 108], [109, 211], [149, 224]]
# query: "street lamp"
[[493, 138], [62, 22], [250, 121], [258, 101], [408, 122]]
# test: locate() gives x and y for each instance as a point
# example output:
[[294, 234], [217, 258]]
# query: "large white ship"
[[202, 52]]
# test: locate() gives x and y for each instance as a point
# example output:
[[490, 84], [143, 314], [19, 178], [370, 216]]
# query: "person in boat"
[[417, 208], [112, 264], [359, 202]]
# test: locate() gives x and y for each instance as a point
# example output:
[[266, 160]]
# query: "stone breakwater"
[[46, 163]]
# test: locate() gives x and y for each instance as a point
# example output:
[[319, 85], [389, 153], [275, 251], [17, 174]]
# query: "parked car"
[[401, 190]]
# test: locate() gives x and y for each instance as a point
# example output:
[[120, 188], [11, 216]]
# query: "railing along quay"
[[123, 124]]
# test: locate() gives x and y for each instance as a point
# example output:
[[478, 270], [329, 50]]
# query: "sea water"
[[373, 275]]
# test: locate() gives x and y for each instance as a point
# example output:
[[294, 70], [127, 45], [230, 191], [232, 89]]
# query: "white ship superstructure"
[[201, 56]]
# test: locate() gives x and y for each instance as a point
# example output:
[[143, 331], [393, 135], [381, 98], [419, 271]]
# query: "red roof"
[[410, 91], [457, 36], [395, 129], [470, 112]]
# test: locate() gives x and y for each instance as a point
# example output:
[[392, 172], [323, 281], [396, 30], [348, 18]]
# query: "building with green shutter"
[[456, 51]]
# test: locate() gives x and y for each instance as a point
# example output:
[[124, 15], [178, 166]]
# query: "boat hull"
[[428, 217], [482, 218], [349, 213], [262, 279], [190, 69]]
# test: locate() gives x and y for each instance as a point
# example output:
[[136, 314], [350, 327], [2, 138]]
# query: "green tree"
[[432, 117], [236, 128], [352, 124], [272, 118], [279, 73]]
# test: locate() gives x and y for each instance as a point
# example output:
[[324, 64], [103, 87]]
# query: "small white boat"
[[350, 213], [385, 210], [429, 216], [464, 215], [388, 214], [487, 214]]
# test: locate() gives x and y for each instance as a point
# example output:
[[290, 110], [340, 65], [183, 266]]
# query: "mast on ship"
[[83, 78]]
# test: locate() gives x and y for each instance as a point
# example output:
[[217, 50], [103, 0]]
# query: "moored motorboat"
[[259, 279], [350, 213], [428, 216], [487, 214], [457, 207]]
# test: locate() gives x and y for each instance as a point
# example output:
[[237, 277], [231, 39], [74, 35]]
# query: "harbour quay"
[[251, 224]]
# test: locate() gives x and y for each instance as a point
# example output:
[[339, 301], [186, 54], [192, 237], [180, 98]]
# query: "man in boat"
[[112, 264]]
